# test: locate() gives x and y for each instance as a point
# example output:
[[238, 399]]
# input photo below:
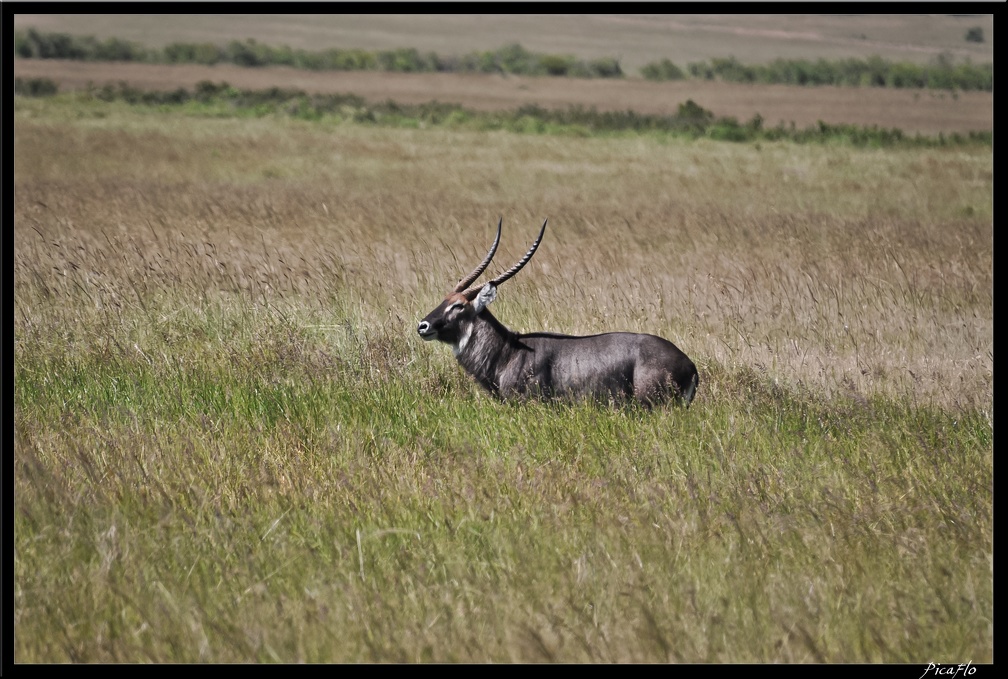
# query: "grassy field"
[[231, 445]]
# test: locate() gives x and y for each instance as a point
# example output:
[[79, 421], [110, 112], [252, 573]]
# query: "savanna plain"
[[232, 446]]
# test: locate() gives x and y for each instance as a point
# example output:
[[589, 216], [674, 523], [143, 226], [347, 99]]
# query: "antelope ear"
[[485, 296]]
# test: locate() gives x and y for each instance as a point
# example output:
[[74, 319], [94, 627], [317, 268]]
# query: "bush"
[[606, 67], [405, 60], [662, 70], [206, 90], [114, 49], [728, 129], [48, 46], [35, 87], [700, 70], [690, 111], [516, 59], [555, 64], [731, 70], [248, 53], [975, 34], [906, 75]]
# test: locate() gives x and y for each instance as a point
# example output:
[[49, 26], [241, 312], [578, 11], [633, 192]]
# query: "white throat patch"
[[463, 341]]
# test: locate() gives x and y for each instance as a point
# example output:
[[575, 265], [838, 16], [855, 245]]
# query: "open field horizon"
[[912, 111], [683, 38], [635, 39]]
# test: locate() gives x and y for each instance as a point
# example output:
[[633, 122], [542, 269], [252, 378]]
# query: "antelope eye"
[[456, 306]]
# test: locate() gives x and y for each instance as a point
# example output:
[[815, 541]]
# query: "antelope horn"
[[483, 265], [516, 268]]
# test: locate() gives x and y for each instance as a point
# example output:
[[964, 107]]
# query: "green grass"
[[208, 497], [246, 511], [230, 445]]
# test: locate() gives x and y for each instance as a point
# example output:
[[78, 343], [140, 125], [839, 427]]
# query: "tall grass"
[[230, 445]]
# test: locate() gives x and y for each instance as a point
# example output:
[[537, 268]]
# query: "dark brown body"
[[609, 367]]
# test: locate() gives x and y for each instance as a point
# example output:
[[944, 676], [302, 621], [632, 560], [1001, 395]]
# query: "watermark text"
[[949, 671]]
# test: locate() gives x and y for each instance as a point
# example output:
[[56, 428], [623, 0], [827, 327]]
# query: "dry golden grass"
[[835, 268]]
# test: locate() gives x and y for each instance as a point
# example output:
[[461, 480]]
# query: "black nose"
[[423, 327]]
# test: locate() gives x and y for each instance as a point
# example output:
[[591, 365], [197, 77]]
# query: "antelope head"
[[452, 321]]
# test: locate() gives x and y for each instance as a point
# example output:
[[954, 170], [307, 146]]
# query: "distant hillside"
[[635, 40]]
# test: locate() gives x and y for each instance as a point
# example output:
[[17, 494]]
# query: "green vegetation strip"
[[690, 121], [942, 73]]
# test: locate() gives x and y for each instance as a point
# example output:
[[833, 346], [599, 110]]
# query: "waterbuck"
[[611, 367]]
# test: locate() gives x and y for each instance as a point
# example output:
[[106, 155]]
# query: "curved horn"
[[483, 265], [517, 267]]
